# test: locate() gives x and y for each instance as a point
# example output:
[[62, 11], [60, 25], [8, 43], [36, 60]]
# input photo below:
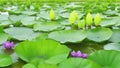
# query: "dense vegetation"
[[59, 34]]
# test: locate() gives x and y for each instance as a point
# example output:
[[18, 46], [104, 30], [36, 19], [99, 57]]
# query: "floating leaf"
[[3, 37], [16, 18], [43, 51], [112, 46], [28, 20], [47, 26], [29, 66], [64, 36], [5, 23], [99, 34], [21, 33], [3, 17], [29, 12], [44, 15], [47, 66], [115, 36], [106, 58], [5, 60], [78, 63], [108, 22]]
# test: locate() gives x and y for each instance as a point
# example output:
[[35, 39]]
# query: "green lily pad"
[[29, 12], [42, 36], [108, 22], [5, 60], [48, 26], [64, 36], [78, 63], [3, 17], [3, 37], [5, 23], [106, 58], [99, 34], [44, 52], [47, 66], [21, 33], [44, 15], [65, 15], [112, 46], [115, 36], [28, 20], [29, 66], [16, 18]]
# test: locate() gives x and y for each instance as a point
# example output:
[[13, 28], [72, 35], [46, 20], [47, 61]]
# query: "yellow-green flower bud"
[[52, 15], [73, 17], [81, 25], [97, 19], [89, 19]]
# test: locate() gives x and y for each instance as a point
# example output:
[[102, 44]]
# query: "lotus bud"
[[73, 17], [89, 19], [52, 15], [81, 24], [97, 19]]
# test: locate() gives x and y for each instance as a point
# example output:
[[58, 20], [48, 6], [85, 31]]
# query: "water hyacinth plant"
[[8, 45], [52, 15], [78, 54]]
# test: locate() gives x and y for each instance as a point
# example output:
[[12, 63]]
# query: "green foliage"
[[107, 59], [112, 46], [5, 60], [78, 63], [21, 33], [66, 36], [52, 52], [99, 34]]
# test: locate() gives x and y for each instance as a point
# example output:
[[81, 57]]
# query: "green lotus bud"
[[73, 17], [97, 19], [89, 19], [81, 24], [52, 15]]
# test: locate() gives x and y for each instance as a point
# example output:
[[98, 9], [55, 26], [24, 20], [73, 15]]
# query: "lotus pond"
[[59, 34]]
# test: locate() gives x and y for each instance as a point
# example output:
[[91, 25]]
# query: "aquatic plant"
[[8, 45]]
